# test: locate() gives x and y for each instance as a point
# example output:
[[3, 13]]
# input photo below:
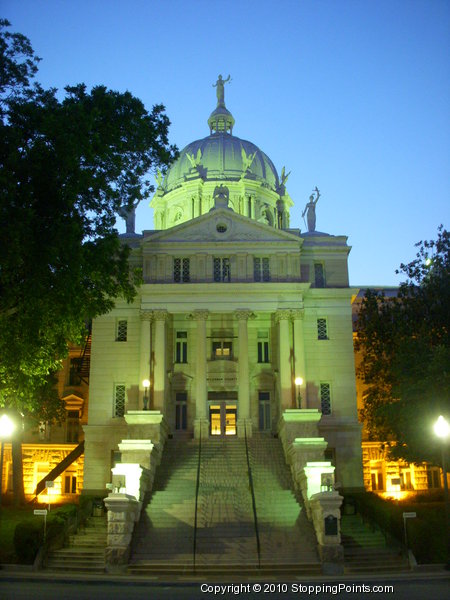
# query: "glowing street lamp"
[[442, 430], [298, 382], [7, 427], [146, 386]]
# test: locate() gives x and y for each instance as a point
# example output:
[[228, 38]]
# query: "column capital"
[[160, 314], [243, 314], [298, 314], [282, 314], [199, 315], [146, 315]]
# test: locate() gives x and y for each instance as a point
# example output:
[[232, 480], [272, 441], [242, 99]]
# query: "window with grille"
[[181, 347], [222, 349], [322, 329], [222, 269], [119, 399], [121, 330], [325, 398], [261, 269], [263, 346], [319, 275], [181, 270]]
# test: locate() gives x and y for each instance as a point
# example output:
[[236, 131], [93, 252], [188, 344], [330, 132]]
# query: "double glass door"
[[222, 419]]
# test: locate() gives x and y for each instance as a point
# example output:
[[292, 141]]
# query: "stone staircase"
[[86, 550], [366, 550], [226, 540], [286, 536], [165, 532]]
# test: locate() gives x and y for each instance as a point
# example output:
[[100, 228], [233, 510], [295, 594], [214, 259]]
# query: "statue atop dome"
[[310, 210], [220, 92]]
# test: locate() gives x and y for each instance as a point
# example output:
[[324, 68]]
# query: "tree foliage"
[[68, 167], [404, 345]]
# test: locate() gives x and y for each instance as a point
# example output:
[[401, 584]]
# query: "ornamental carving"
[[243, 314], [298, 314], [199, 315], [283, 314], [146, 315], [160, 315]]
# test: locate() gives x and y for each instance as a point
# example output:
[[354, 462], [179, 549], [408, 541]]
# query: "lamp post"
[[442, 430], [146, 385], [298, 382], [7, 427]]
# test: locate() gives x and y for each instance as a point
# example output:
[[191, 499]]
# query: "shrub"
[[28, 537]]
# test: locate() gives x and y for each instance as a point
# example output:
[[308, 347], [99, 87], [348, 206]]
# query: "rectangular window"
[[119, 399], [263, 346], [74, 372], [72, 426], [121, 330], [70, 484], [181, 411], [377, 481], [433, 478], [181, 270], [261, 269], [264, 411], [222, 269], [325, 398], [322, 329], [319, 275], [181, 347], [222, 349]]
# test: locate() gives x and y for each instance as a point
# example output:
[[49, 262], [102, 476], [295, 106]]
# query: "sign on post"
[[409, 515], [42, 512]]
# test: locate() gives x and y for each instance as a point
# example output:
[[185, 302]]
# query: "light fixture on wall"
[[146, 386], [298, 382]]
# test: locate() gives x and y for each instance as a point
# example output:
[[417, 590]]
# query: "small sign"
[[331, 525], [49, 484], [40, 511], [409, 515]]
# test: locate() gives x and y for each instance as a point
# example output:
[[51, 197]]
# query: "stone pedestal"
[[298, 423], [326, 517], [147, 425], [123, 512], [312, 478]]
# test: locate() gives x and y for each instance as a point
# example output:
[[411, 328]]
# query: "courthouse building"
[[240, 319]]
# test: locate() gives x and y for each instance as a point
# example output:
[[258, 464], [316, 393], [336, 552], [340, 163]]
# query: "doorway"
[[222, 419]]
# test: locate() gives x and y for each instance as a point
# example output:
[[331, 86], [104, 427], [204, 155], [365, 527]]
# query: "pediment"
[[222, 225]]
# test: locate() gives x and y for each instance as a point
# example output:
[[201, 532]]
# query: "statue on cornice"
[[310, 210], [129, 216], [220, 92]]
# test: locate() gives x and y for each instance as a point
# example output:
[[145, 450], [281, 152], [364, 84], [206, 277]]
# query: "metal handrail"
[[197, 487], [252, 490]]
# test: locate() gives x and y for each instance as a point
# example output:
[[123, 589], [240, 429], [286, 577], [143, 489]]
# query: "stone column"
[[159, 372], [123, 512], [145, 352], [299, 354], [284, 350], [244, 420], [201, 387]]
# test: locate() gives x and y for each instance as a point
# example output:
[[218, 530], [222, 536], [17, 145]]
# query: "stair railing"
[[252, 491], [197, 487]]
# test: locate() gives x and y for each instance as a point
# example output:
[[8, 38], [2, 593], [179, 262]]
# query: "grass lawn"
[[9, 517]]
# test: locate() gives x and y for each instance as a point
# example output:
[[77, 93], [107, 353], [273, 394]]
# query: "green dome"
[[221, 157]]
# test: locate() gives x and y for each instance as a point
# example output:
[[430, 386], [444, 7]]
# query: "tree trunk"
[[18, 491]]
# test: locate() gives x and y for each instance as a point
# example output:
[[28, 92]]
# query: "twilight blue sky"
[[350, 95]]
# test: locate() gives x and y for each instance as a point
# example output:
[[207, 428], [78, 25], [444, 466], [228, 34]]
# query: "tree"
[[68, 167], [404, 345]]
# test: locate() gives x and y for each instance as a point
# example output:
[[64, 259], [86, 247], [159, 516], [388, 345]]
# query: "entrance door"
[[222, 419]]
